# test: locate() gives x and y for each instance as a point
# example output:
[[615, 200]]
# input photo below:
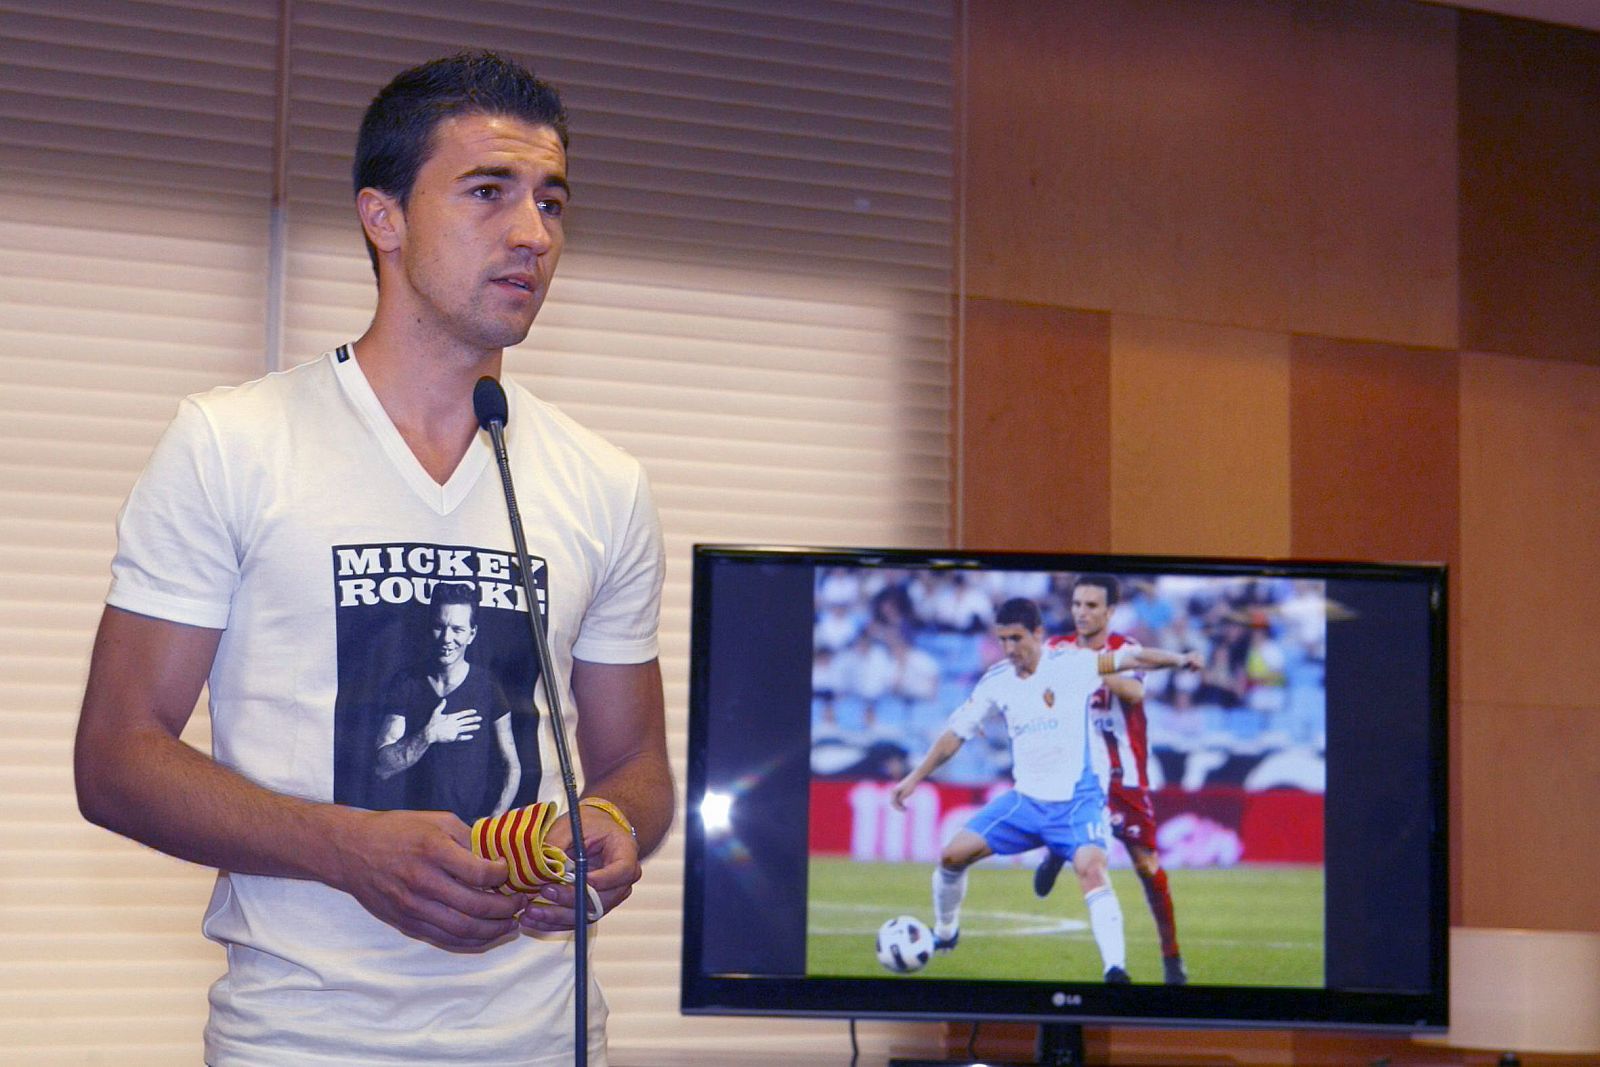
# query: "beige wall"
[[1321, 278]]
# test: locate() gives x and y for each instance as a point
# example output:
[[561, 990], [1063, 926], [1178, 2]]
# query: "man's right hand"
[[416, 871], [452, 726]]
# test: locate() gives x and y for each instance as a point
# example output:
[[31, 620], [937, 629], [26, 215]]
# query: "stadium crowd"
[[895, 651]]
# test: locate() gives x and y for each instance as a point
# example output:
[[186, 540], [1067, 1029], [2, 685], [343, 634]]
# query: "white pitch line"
[[975, 920]]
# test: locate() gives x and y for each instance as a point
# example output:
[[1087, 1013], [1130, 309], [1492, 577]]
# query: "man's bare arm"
[[947, 745], [508, 752], [396, 751], [1125, 687], [1150, 659], [135, 776], [622, 745]]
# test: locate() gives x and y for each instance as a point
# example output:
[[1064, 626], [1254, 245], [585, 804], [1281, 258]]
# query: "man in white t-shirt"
[[1060, 778], [438, 715], [283, 548]]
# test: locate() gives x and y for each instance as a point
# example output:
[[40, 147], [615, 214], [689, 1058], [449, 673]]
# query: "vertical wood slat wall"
[[1337, 261], [755, 300]]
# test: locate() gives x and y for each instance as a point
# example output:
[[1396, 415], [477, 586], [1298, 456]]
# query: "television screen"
[[1066, 788]]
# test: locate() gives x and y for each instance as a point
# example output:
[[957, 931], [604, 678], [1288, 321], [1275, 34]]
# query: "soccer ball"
[[905, 944]]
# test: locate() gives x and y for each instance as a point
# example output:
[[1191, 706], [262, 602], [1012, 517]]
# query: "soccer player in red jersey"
[[1117, 712]]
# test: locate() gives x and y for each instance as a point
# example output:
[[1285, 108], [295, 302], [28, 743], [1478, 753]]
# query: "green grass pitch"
[[1246, 926]]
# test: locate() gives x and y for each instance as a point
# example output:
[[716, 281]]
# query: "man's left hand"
[[613, 869]]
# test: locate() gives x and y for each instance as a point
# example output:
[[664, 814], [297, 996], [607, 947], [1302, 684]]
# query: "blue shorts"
[[1012, 822]]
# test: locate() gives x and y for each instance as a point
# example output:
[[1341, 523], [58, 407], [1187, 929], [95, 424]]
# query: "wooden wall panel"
[[1530, 189], [1527, 787], [1034, 428], [1376, 154], [1041, 93], [1199, 439], [1373, 451], [1529, 591], [1233, 161], [1530, 528], [1207, 226]]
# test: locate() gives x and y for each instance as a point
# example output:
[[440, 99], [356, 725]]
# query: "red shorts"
[[1133, 818]]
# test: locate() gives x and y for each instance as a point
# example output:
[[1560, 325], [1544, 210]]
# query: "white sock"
[[1105, 920], [949, 890]]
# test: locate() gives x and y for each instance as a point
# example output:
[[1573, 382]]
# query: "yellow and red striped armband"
[[518, 838]]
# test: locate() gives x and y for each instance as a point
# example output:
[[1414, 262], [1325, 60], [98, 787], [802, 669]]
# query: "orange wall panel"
[[1199, 439], [1529, 597], [1375, 159], [1039, 170], [1530, 529], [1232, 162], [1530, 189], [1373, 451], [1530, 773], [1033, 418]]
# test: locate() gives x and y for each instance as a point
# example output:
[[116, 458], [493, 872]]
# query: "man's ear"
[[382, 218]]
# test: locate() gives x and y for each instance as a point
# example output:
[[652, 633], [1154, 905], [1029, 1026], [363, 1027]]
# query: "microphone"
[[489, 404]]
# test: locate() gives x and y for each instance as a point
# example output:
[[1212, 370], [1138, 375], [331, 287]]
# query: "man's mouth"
[[523, 282]]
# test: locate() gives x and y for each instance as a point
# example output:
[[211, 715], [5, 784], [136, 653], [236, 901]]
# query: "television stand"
[[1060, 1045]]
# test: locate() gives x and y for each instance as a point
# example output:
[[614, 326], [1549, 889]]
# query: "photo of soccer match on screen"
[[1071, 777]]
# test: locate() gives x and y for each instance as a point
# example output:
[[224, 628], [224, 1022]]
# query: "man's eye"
[[486, 192], [553, 208]]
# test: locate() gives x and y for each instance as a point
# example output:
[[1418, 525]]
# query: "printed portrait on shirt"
[[436, 675]]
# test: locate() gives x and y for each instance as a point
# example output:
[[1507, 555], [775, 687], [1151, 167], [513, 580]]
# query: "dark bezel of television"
[[1386, 851]]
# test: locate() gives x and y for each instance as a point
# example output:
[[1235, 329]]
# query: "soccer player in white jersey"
[[1118, 716], [1060, 778]]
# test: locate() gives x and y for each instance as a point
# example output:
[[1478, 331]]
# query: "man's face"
[[1021, 645], [482, 231], [452, 633], [1090, 612]]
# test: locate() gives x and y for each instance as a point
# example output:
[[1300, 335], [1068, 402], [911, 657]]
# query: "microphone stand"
[[489, 404]]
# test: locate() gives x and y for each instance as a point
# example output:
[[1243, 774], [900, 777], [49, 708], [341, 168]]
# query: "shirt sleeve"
[[176, 557], [965, 720], [620, 625]]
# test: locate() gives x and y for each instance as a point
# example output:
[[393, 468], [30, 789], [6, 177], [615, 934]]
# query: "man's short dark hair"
[[1019, 611], [396, 135], [446, 593], [1112, 587]]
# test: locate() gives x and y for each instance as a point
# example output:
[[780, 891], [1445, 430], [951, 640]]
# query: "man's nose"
[[530, 228]]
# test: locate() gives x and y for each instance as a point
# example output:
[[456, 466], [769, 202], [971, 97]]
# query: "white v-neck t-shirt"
[[289, 513]]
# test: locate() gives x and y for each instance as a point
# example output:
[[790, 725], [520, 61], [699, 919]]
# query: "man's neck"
[[1096, 642], [447, 679], [427, 395]]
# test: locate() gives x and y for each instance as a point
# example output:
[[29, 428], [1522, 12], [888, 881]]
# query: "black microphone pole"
[[489, 404]]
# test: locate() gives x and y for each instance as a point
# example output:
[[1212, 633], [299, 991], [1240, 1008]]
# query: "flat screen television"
[[1295, 772]]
